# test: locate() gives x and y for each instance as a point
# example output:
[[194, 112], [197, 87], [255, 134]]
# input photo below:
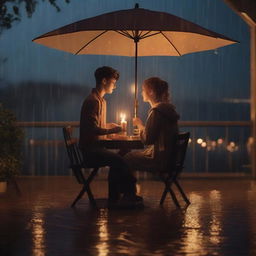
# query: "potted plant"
[[11, 138]]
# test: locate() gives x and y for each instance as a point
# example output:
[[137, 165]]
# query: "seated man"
[[93, 126], [160, 131]]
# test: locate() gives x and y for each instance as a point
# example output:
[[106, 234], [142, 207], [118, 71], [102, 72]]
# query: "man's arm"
[[91, 119]]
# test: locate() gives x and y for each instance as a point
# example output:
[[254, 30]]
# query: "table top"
[[121, 141]]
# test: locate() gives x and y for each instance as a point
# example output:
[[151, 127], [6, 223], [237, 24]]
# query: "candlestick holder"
[[124, 128], [136, 131]]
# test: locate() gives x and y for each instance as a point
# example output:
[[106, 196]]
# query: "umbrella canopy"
[[133, 32]]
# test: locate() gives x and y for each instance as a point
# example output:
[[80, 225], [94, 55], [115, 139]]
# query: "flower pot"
[[3, 186]]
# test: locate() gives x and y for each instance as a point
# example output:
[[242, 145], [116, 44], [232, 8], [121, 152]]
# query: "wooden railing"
[[195, 148], [181, 123]]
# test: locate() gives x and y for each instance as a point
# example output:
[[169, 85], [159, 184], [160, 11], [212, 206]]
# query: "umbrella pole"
[[136, 40], [136, 81]]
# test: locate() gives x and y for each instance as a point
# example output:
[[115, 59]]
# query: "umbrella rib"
[[170, 42], [90, 41], [124, 33], [145, 35], [140, 33]]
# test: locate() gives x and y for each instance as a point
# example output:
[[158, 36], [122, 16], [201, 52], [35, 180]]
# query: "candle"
[[123, 123]]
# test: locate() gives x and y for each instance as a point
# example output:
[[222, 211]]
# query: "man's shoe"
[[112, 204], [130, 202], [134, 198]]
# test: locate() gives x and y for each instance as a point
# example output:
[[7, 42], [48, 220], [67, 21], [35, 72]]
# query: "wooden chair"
[[77, 165], [174, 169]]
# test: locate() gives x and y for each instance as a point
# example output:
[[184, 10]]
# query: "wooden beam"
[[253, 96], [246, 9], [247, 6]]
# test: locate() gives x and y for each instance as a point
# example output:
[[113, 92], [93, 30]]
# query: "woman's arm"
[[151, 131]]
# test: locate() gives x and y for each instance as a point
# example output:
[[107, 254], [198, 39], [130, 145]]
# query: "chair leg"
[[78, 197], [92, 174], [166, 190], [90, 196], [163, 196], [181, 191], [86, 189], [174, 198], [167, 184]]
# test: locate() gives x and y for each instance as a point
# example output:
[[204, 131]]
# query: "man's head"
[[106, 78]]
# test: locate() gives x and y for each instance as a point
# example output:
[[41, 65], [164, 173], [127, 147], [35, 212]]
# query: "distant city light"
[[214, 143], [203, 144], [232, 144], [199, 141], [220, 141], [230, 149], [190, 140]]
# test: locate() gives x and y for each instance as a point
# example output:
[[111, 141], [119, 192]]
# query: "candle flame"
[[123, 117]]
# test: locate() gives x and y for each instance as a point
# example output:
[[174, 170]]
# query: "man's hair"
[[105, 72], [159, 88]]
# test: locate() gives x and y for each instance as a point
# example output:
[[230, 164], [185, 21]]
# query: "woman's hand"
[[137, 122]]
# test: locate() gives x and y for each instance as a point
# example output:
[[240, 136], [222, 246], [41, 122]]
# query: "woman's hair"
[[159, 88]]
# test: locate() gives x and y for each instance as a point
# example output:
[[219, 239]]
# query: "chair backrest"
[[74, 155], [180, 149]]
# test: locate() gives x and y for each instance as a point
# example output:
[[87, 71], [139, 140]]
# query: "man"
[[93, 126]]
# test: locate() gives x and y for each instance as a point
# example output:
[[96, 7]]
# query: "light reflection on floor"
[[102, 246], [193, 236], [38, 233], [220, 221], [216, 218]]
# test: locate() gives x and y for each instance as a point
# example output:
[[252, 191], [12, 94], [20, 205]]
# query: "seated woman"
[[160, 131]]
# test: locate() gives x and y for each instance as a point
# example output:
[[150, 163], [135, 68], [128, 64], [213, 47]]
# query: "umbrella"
[[133, 32]]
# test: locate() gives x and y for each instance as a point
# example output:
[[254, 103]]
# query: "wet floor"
[[221, 220]]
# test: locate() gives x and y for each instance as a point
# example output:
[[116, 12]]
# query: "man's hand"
[[111, 125], [115, 128]]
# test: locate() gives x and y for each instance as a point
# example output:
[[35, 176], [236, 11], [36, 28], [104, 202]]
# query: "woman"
[[160, 131]]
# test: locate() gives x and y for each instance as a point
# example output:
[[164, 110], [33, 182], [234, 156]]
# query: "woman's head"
[[155, 90]]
